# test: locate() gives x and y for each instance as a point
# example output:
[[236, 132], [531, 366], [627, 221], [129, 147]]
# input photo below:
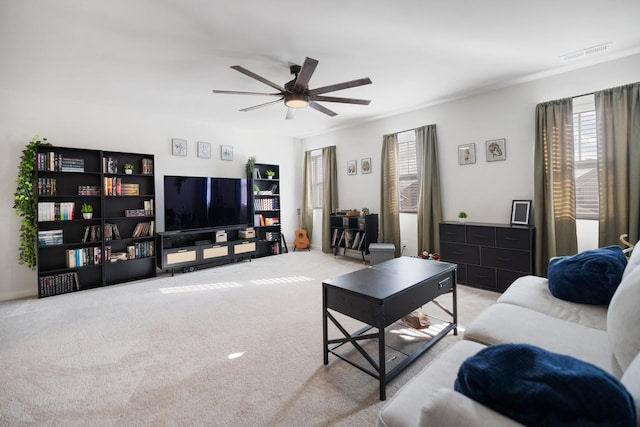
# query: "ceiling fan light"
[[296, 100]]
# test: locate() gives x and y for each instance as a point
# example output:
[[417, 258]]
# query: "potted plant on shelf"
[[128, 168], [255, 189], [87, 211], [270, 174], [462, 217]]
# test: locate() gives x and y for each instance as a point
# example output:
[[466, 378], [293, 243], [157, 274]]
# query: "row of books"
[[265, 204], [50, 237], [111, 231], [144, 229], [59, 284], [57, 163], [55, 211], [46, 186], [115, 187], [92, 233], [82, 257], [139, 250], [260, 219], [351, 239]]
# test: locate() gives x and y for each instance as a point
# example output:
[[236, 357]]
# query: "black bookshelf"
[[117, 243], [265, 201]]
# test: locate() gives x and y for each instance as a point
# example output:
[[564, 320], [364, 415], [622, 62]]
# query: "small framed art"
[[226, 152], [496, 150], [520, 212], [467, 154], [204, 150], [179, 147], [365, 165], [352, 167]]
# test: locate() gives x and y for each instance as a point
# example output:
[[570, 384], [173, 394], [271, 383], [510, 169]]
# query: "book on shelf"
[[147, 166], [362, 246], [111, 231], [334, 237], [341, 238], [92, 233], [58, 284], [88, 190], [46, 186], [50, 237]]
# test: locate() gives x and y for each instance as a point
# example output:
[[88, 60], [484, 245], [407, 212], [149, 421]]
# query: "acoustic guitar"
[[301, 241]]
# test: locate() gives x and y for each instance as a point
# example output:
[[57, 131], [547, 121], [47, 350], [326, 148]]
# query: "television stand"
[[192, 250]]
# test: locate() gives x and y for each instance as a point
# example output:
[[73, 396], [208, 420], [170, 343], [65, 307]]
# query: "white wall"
[[484, 190], [70, 124]]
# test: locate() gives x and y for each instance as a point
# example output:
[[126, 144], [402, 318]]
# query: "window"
[[586, 157], [317, 178], [407, 172]]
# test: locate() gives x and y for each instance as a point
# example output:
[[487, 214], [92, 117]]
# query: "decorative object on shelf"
[[204, 150], [520, 212], [87, 211], [365, 165], [496, 150], [128, 168], [256, 189], [179, 147], [352, 167], [462, 217], [249, 167], [226, 152], [364, 212], [467, 154], [25, 202], [270, 174]]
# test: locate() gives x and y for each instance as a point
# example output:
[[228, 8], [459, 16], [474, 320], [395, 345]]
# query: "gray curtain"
[[307, 198], [429, 198], [389, 209], [330, 193], [554, 187], [618, 121]]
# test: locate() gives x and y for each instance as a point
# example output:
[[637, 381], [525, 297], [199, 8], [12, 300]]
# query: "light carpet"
[[237, 345]]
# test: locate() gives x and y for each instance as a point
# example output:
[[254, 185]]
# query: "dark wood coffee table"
[[379, 296]]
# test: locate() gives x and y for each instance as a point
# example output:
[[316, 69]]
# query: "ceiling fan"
[[296, 93]]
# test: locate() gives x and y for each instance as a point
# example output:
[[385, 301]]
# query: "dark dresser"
[[489, 256]]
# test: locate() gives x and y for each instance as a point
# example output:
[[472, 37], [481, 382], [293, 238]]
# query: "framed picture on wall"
[[179, 147], [365, 165], [204, 150], [496, 150], [352, 167], [467, 154], [520, 212], [226, 152]]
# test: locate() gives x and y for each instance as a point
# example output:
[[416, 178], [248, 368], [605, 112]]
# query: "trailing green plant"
[[249, 166], [25, 202]]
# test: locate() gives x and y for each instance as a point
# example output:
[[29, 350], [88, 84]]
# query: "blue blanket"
[[590, 277], [536, 387]]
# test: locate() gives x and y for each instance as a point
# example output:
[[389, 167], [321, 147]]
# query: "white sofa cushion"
[[446, 407], [623, 319], [508, 323], [404, 407], [533, 292], [631, 380]]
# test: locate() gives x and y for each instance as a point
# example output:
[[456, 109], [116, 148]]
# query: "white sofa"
[[608, 337]]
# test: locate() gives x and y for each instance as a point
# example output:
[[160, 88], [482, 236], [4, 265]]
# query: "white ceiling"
[[165, 56]]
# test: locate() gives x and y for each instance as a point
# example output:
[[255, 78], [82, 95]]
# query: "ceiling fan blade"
[[235, 92], [257, 77], [255, 107], [322, 109], [339, 86], [302, 81], [343, 100], [291, 113]]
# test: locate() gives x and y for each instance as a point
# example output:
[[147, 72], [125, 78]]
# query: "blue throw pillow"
[[539, 388], [590, 277]]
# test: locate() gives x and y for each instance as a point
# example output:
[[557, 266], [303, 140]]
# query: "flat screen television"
[[200, 202]]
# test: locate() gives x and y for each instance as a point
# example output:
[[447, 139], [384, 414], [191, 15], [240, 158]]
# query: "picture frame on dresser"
[[520, 212]]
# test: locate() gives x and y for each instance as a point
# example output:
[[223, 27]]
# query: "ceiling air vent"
[[587, 51]]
